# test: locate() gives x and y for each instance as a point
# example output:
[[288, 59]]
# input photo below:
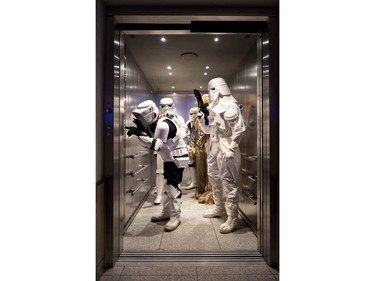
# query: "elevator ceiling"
[[188, 56]]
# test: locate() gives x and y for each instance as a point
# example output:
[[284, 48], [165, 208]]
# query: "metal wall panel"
[[244, 87], [139, 165]]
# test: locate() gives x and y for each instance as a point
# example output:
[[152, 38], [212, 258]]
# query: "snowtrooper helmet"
[[193, 113], [147, 112], [167, 107], [217, 87]]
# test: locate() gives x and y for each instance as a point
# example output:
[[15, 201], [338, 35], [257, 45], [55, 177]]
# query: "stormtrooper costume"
[[167, 109], [160, 182], [192, 135], [166, 140], [226, 128]]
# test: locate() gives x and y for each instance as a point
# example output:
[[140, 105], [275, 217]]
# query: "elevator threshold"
[[219, 256]]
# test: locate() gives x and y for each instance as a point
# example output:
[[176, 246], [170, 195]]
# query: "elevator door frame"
[[263, 237]]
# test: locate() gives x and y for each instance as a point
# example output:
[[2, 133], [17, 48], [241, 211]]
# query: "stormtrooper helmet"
[[147, 112], [193, 113], [167, 107]]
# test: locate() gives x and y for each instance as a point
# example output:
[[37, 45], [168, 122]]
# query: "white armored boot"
[[160, 188], [174, 221], [175, 208], [232, 221], [219, 209], [193, 176], [165, 213]]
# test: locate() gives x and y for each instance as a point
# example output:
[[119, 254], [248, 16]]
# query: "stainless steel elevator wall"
[[140, 164], [244, 87]]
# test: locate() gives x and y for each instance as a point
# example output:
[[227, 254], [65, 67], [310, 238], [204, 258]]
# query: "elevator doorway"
[[143, 73]]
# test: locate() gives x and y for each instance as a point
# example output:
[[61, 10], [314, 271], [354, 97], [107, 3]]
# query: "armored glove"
[[135, 131], [229, 153]]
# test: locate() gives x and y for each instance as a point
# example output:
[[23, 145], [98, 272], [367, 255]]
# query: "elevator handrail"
[[252, 157], [140, 153], [253, 178], [249, 195], [140, 183], [140, 168], [249, 157]]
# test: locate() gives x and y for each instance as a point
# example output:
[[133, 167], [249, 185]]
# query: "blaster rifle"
[[138, 131], [201, 105]]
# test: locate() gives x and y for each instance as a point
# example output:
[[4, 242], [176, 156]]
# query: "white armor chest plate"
[[176, 144]]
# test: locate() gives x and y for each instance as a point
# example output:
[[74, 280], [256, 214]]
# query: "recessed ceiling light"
[[169, 67], [172, 87], [205, 73], [170, 73], [207, 67], [163, 39], [200, 87], [216, 39]]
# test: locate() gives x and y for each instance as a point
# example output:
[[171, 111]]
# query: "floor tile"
[[159, 278], [143, 239], [248, 269], [117, 270], [160, 270], [109, 278], [236, 278], [190, 238]]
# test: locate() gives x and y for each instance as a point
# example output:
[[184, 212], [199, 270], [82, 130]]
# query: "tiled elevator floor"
[[195, 233]]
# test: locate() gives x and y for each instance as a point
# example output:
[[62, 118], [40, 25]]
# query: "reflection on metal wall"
[[139, 164], [244, 87], [265, 249]]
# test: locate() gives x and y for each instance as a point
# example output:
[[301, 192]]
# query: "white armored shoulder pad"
[[232, 112], [161, 131]]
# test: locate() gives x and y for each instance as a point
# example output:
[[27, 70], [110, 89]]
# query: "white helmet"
[[193, 113], [146, 112], [220, 95], [167, 107], [217, 86]]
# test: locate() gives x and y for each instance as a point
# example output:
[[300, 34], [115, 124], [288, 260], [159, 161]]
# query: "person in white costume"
[[226, 128], [167, 141], [167, 109], [192, 136], [159, 182]]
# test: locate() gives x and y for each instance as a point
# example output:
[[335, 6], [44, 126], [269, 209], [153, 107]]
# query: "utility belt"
[[179, 152], [182, 161]]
